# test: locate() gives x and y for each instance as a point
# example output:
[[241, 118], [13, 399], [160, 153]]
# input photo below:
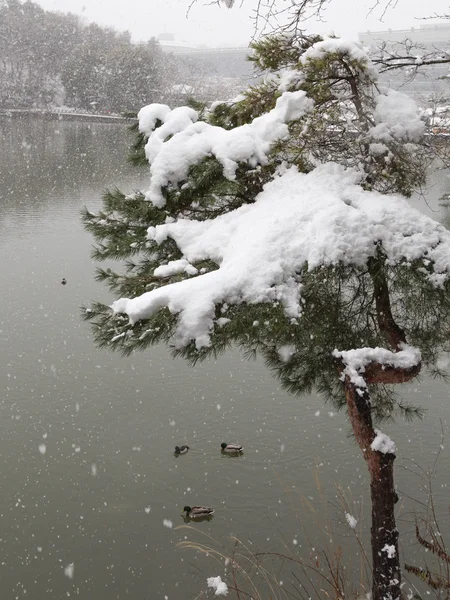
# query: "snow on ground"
[[320, 218]]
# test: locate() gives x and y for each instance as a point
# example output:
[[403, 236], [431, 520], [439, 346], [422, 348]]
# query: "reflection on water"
[[87, 470]]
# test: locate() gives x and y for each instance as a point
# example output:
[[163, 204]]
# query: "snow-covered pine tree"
[[271, 223]]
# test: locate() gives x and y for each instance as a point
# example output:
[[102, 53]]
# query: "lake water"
[[87, 472]]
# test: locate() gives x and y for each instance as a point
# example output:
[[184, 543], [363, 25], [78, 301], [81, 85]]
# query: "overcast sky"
[[219, 26]]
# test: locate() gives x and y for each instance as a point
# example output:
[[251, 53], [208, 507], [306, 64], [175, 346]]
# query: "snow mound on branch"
[[181, 141], [383, 443], [174, 121], [174, 267], [357, 360], [396, 117], [298, 220], [289, 77], [149, 115], [353, 50]]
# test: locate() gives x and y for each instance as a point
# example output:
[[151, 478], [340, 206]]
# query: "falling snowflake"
[[68, 571], [219, 585], [351, 520]]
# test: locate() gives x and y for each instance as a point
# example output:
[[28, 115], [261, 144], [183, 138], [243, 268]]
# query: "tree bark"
[[376, 373], [386, 575], [394, 335]]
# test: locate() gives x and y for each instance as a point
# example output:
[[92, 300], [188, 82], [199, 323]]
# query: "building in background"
[[217, 62], [206, 74]]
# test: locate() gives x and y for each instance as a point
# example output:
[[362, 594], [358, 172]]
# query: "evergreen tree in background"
[[109, 73], [48, 59], [33, 47]]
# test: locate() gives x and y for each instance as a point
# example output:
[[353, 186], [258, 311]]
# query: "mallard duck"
[[181, 449], [197, 512], [231, 448]]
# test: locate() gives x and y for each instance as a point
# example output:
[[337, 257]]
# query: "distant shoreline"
[[55, 115]]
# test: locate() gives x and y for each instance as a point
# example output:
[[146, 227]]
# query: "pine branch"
[[432, 547], [434, 580]]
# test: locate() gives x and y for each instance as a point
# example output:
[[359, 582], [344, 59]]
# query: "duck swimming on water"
[[181, 449], [198, 512], [231, 448]]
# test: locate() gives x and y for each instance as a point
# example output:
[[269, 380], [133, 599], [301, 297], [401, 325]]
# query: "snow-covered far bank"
[[61, 115]]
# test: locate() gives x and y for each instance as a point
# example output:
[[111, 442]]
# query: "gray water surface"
[[87, 471]]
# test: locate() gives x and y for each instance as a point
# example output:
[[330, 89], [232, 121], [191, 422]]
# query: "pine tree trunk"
[[384, 535], [386, 575]]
